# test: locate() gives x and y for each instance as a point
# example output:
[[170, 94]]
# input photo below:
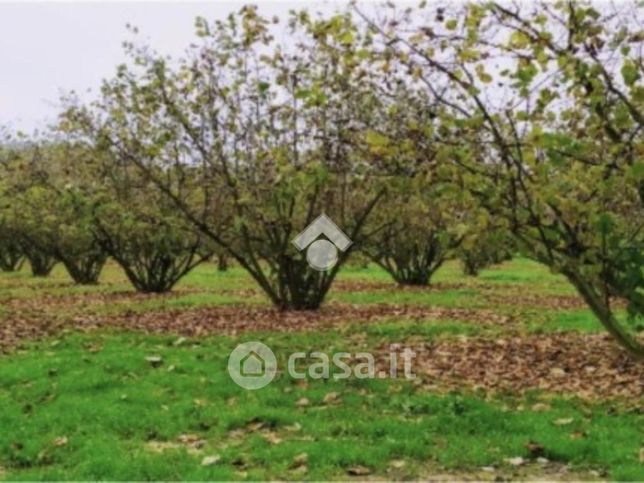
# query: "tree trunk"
[[11, 262], [222, 262], [86, 270], [605, 315], [412, 277], [471, 266], [41, 265]]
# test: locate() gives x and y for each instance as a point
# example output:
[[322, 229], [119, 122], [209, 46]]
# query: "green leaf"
[[302, 93], [263, 87], [347, 38], [519, 40], [376, 140], [482, 75], [637, 170], [605, 223], [630, 73]]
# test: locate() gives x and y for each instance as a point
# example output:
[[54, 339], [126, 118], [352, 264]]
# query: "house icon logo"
[[252, 365], [322, 254]]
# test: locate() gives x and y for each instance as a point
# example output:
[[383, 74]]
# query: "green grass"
[[577, 320], [205, 286], [410, 330], [111, 405], [581, 320], [117, 412], [528, 274], [179, 301], [464, 298]]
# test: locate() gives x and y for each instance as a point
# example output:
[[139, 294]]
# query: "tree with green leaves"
[[415, 243], [421, 223], [154, 249], [485, 246], [251, 140], [32, 223], [142, 230], [26, 213], [48, 217], [541, 110], [76, 243], [11, 254]]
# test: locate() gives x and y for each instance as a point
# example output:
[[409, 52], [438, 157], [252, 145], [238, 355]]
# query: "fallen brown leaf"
[[331, 398], [272, 438], [301, 459], [154, 361], [35, 318], [563, 421], [300, 463], [358, 470], [535, 449], [62, 441], [522, 363], [210, 460], [516, 461], [302, 402], [540, 407], [398, 464], [192, 441]]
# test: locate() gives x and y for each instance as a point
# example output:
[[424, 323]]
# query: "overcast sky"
[[50, 48]]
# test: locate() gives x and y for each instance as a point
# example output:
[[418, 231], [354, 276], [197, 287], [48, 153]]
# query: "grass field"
[[514, 379]]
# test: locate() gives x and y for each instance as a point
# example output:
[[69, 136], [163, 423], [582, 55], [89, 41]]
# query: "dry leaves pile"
[[525, 299], [230, 320], [589, 366], [236, 319], [42, 300], [16, 328], [556, 302], [375, 286], [512, 295], [48, 301], [192, 443]]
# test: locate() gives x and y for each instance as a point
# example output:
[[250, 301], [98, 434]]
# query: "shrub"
[[12, 256]]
